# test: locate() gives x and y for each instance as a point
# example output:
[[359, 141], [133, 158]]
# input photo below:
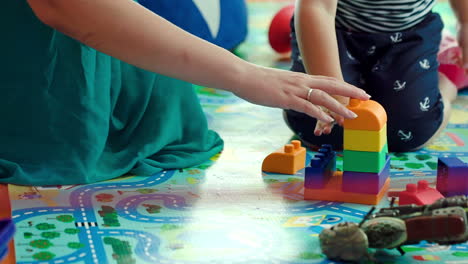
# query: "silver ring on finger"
[[309, 93]]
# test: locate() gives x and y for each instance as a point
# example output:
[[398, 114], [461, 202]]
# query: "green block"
[[364, 161]]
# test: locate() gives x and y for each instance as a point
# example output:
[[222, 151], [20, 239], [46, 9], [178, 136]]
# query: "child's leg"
[[406, 82], [449, 54], [448, 91]]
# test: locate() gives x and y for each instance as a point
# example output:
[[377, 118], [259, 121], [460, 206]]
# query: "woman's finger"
[[336, 87], [321, 98], [301, 105]]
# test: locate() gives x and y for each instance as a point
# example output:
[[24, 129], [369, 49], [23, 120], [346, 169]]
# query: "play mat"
[[223, 211]]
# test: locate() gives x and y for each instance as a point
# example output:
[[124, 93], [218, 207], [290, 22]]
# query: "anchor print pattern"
[[425, 64], [397, 37], [371, 50], [350, 56], [424, 105], [399, 85], [405, 136]]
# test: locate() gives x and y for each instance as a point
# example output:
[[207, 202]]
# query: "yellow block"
[[365, 140]]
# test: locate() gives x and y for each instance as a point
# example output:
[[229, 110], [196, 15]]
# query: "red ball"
[[279, 33]]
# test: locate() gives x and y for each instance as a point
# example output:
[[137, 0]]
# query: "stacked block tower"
[[366, 164]]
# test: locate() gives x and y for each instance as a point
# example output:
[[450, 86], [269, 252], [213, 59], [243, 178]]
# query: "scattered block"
[[364, 161], [452, 176], [287, 160], [371, 115], [365, 140], [322, 167], [420, 194], [366, 182], [7, 229]]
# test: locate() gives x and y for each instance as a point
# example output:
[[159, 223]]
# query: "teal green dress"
[[72, 115]]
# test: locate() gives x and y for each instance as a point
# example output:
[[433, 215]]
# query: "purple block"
[[322, 167], [452, 176], [366, 182]]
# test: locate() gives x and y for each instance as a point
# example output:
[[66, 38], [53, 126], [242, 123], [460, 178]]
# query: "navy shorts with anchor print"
[[399, 70]]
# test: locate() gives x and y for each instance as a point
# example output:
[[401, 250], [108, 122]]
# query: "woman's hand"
[[292, 90]]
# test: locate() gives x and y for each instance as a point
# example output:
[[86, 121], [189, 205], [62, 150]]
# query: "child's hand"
[[290, 90], [326, 128], [463, 42]]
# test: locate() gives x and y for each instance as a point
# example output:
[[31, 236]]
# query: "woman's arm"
[[127, 31]]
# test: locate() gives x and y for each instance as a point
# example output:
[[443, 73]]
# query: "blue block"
[[322, 167], [366, 182], [452, 176], [7, 229]]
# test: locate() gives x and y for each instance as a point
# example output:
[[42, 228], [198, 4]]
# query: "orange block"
[[371, 115], [5, 212], [332, 192], [286, 160]]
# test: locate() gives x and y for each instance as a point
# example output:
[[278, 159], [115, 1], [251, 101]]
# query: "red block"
[[420, 194]]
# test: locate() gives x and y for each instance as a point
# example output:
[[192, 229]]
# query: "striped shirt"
[[381, 15]]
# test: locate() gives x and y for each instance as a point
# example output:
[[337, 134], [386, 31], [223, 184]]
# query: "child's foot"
[[449, 58]]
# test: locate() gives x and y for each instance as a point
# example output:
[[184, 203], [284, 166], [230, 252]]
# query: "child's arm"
[[460, 7], [315, 26], [128, 31]]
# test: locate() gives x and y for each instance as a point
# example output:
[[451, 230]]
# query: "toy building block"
[[452, 176], [322, 167], [287, 160], [366, 182], [333, 192], [420, 194], [365, 140], [371, 116], [7, 229], [364, 161]]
